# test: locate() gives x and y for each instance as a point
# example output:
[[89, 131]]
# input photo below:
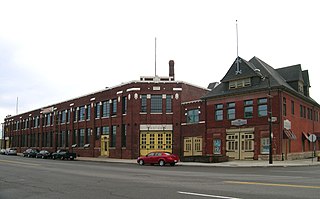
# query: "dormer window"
[[240, 83], [300, 87]]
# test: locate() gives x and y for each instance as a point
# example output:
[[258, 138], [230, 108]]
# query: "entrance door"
[[240, 145], [105, 145], [153, 141], [192, 146]]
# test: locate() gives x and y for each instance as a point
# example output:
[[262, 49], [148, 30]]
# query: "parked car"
[[11, 151], [44, 154], [158, 157], [2, 151], [30, 153], [64, 154]]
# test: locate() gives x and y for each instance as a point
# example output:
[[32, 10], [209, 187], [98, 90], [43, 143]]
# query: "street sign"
[[312, 137], [238, 122]]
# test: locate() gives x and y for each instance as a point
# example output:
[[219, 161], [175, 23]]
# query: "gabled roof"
[[246, 70], [305, 75], [291, 73], [279, 78]]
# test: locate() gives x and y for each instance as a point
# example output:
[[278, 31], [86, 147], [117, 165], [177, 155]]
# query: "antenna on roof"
[[155, 56], [238, 61], [17, 106]]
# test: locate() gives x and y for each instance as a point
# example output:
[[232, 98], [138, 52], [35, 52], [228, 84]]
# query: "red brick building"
[[238, 110], [124, 121], [229, 119]]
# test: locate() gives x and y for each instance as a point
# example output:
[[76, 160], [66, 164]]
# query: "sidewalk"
[[235, 163]]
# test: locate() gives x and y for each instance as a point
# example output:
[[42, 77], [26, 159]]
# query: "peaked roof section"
[[279, 78], [291, 73], [305, 75], [241, 71]]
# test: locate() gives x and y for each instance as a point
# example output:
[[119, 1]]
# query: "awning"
[[305, 136], [288, 134]]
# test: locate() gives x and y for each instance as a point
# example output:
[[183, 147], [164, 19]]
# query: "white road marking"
[[206, 195]]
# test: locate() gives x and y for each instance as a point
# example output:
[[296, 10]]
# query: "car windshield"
[[167, 153]]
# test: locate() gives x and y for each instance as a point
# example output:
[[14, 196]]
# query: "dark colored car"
[[158, 157], [64, 154], [30, 153], [44, 154]]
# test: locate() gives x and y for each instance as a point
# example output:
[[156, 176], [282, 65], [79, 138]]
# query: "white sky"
[[52, 51]]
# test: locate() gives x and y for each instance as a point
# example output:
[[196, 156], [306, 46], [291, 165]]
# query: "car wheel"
[[162, 162], [53, 157], [28, 156], [172, 164], [42, 157], [141, 162]]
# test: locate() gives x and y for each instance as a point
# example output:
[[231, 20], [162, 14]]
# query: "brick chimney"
[[171, 69]]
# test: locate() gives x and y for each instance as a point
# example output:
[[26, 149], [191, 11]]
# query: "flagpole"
[[155, 56]]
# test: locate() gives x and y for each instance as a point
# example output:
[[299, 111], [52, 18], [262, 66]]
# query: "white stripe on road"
[[206, 195]]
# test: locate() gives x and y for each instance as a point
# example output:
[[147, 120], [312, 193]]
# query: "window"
[[143, 103], [105, 109], [88, 136], [97, 133], [114, 107], [81, 137], [113, 136], [248, 109], [219, 112], [156, 103], [124, 136], [63, 117], [88, 112], [63, 138], [48, 119], [240, 83], [68, 116], [284, 107], [97, 110], [217, 146], [292, 107], [168, 103], [265, 145], [262, 107], [105, 130], [124, 105], [193, 116], [82, 113], [316, 116], [75, 116], [231, 112], [67, 138], [75, 136]]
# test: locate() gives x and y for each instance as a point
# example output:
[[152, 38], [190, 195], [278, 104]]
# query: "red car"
[[158, 157]]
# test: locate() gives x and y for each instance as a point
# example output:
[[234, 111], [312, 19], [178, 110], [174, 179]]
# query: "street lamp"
[[257, 71]]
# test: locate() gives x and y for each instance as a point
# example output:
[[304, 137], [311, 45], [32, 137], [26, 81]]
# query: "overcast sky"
[[52, 51]]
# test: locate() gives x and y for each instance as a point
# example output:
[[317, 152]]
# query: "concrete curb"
[[255, 163]]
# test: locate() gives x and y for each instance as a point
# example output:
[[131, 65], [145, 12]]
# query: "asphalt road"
[[28, 178]]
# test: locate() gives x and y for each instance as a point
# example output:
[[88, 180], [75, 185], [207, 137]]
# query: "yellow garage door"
[[153, 141]]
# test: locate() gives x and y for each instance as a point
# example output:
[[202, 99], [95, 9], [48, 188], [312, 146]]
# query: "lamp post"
[[257, 71]]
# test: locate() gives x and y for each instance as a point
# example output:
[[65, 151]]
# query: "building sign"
[[287, 124], [239, 122]]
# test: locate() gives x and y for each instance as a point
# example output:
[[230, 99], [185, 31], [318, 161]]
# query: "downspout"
[[280, 125], [205, 130]]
